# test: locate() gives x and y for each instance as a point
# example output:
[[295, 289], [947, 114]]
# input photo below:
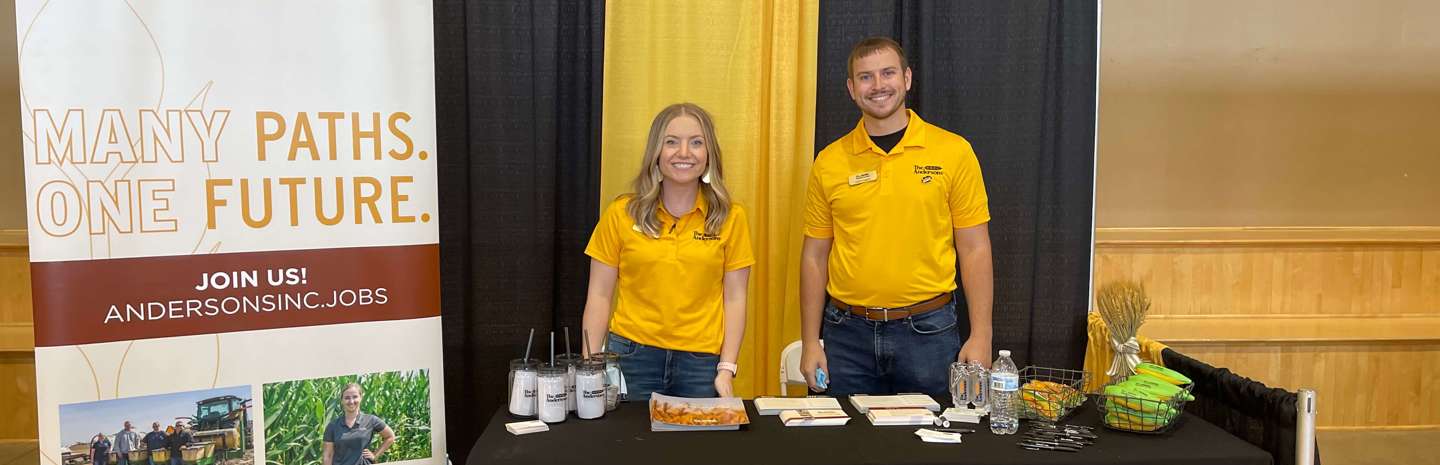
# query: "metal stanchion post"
[[1305, 427]]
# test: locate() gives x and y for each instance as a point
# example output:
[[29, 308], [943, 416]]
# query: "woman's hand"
[[723, 380]]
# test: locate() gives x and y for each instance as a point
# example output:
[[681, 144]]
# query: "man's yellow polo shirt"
[[893, 215], [670, 290]]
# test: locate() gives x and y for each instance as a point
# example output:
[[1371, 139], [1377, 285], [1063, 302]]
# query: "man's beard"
[[899, 100]]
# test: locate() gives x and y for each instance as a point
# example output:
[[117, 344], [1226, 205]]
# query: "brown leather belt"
[[888, 314]]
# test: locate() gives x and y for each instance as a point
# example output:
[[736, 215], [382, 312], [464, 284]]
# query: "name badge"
[[862, 178]]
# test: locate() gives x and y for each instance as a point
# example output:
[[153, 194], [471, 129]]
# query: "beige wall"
[[12, 171], [1269, 113]]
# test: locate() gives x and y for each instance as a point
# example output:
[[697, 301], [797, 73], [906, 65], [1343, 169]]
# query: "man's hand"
[[976, 349], [369, 456], [812, 356], [724, 383]]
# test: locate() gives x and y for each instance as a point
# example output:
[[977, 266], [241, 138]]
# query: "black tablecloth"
[[624, 437]]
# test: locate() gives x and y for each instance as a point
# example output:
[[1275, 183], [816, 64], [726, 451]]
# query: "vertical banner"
[[232, 218]]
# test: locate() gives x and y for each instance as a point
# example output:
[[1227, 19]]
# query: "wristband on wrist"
[[731, 367]]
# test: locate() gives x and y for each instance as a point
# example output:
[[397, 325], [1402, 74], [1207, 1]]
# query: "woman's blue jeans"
[[649, 369]]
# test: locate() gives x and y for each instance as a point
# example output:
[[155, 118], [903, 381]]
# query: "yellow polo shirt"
[[670, 290], [893, 215]]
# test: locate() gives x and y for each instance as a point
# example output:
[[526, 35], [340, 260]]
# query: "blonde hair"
[[646, 197]]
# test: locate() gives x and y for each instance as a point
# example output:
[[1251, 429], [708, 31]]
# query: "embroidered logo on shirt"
[[700, 236], [925, 180], [929, 169]]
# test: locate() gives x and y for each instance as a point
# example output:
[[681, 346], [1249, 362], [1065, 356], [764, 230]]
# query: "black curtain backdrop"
[[518, 92], [1016, 79]]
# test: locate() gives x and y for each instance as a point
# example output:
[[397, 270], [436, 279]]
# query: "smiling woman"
[[674, 257], [681, 149], [348, 437]]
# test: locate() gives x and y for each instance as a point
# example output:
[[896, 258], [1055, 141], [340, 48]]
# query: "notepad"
[[900, 417], [776, 405], [964, 415], [863, 403], [822, 417], [527, 427]]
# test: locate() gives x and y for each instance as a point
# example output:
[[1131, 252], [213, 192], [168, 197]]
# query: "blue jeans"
[[649, 369], [910, 355]]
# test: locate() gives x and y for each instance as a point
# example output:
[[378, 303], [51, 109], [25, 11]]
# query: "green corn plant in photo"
[[296, 413]]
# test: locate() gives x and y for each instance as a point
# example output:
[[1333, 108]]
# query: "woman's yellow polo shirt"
[[670, 290]]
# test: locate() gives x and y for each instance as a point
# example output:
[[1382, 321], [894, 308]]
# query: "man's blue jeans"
[[649, 369], [910, 355]]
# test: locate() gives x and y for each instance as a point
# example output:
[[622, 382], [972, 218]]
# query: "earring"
[[706, 178], [655, 174]]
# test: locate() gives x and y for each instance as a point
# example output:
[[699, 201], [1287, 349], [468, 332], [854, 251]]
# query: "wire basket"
[[1141, 415], [1050, 394]]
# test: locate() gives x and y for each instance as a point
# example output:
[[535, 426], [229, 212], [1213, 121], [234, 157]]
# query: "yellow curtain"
[[1099, 353], [751, 64]]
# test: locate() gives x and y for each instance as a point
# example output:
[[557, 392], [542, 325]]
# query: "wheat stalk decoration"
[[1122, 306]]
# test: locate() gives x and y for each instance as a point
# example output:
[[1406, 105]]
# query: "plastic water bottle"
[[1004, 387]]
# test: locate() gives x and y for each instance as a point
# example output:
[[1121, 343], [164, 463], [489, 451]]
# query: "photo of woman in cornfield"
[[299, 413]]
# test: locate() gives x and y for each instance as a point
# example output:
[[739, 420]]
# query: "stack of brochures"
[[527, 427], [820, 417], [863, 403], [965, 415], [775, 405], [900, 417]]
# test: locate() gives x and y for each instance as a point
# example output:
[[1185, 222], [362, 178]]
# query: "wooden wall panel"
[[1353, 313], [1359, 386], [1278, 279], [17, 394], [14, 283], [17, 343]]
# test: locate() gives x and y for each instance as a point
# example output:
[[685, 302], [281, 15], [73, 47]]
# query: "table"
[[623, 436]]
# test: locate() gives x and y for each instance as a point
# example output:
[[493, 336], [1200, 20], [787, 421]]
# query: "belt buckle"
[[884, 313]]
